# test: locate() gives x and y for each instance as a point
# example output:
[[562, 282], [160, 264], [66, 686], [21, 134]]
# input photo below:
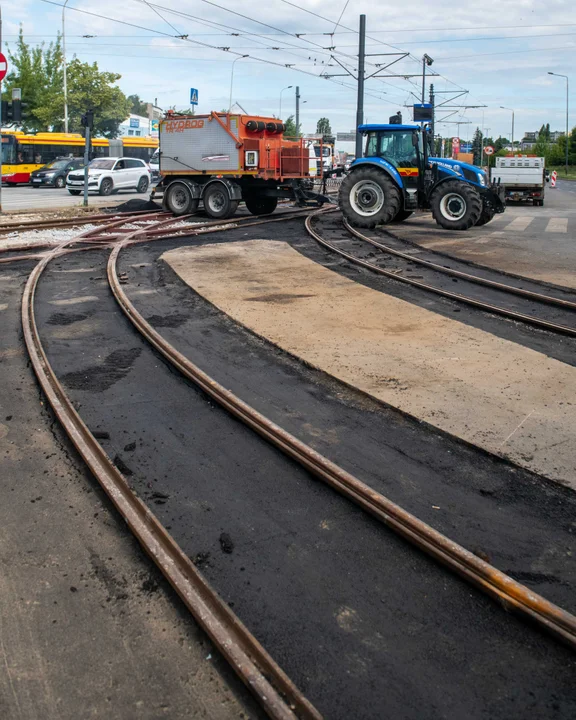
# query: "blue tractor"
[[396, 176]]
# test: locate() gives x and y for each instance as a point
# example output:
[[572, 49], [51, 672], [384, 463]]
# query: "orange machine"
[[221, 159]]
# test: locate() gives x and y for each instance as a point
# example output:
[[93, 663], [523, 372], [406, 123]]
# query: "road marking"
[[519, 223], [559, 225]]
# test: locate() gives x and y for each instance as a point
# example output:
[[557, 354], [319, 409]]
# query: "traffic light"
[[12, 111], [87, 119]]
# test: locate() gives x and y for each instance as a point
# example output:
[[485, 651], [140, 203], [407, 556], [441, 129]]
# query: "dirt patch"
[[66, 319], [503, 397]]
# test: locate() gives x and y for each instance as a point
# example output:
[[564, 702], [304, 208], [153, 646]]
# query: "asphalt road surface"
[[25, 197]]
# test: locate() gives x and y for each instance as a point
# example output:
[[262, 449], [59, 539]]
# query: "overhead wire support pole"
[[64, 66], [361, 74]]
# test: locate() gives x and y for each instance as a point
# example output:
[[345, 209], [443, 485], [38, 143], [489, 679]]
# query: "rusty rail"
[[489, 579], [275, 691], [496, 309]]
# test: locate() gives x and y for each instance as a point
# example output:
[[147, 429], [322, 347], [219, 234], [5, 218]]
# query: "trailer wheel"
[[402, 215], [368, 197], [218, 203], [178, 199], [456, 205], [486, 216], [260, 205]]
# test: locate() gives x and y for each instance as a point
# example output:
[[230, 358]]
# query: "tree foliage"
[[291, 129], [477, 146], [39, 72], [323, 128], [138, 106]]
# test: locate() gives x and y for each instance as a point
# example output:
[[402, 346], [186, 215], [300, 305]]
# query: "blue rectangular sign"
[[193, 96], [134, 123]]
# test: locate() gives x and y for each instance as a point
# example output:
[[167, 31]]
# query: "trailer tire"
[[178, 198], [260, 205], [402, 215], [486, 216], [217, 202], [456, 205], [368, 197]]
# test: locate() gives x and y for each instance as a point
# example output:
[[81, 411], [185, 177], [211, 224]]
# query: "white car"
[[108, 175]]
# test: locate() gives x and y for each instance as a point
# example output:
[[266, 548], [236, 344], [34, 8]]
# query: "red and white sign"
[[3, 66], [553, 177], [488, 150], [455, 146]]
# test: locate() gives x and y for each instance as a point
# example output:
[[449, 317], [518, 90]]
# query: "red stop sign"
[[3, 66]]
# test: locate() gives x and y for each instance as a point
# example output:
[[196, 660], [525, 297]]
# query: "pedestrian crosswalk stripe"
[[559, 225], [519, 223]]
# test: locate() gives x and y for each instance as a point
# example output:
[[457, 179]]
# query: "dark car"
[[54, 174]]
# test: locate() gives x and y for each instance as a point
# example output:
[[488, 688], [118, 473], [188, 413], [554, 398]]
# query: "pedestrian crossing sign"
[[193, 96]]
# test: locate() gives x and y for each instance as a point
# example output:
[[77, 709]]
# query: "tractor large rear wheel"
[[456, 205], [368, 197]]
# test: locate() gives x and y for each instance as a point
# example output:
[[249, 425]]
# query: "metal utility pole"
[[86, 161], [65, 67], [512, 111], [567, 91], [297, 109], [288, 87], [426, 61], [361, 77], [432, 100]]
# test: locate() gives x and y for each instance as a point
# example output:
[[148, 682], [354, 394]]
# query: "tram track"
[[278, 695], [555, 313]]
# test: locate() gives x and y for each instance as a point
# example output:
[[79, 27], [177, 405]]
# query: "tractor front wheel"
[[368, 197], [456, 205], [487, 215]]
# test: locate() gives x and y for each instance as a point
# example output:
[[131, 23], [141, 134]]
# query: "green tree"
[[291, 129], [323, 128], [138, 106], [501, 143], [38, 72], [477, 146], [88, 88]]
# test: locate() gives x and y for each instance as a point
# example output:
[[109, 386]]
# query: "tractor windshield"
[[393, 145]]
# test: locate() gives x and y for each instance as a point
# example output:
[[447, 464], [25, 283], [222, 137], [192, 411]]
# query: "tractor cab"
[[396, 176]]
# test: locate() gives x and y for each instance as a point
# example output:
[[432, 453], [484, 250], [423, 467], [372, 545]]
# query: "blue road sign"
[[134, 123], [193, 96]]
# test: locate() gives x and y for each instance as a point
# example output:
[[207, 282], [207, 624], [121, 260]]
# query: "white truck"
[[524, 178]]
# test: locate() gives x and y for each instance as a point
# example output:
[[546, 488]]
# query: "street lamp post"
[[426, 61], [512, 111], [241, 57], [64, 66], [567, 91], [281, 91]]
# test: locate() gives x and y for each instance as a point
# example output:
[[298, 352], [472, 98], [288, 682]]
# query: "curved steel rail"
[[554, 327], [495, 583], [548, 299], [278, 695]]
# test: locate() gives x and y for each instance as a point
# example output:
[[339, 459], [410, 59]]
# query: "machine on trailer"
[[523, 177], [396, 176], [221, 159]]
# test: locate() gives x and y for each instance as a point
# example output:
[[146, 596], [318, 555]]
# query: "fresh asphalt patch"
[[363, 623]]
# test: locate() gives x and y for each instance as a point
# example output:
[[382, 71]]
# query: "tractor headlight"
[[482, 179]]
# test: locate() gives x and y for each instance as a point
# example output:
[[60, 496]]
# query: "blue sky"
[[500, 52]]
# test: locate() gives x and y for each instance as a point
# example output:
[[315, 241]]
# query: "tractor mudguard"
[[381, 164]]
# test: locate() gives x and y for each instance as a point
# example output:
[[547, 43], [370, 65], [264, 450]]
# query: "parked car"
[[109, 175], [54, 174]]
